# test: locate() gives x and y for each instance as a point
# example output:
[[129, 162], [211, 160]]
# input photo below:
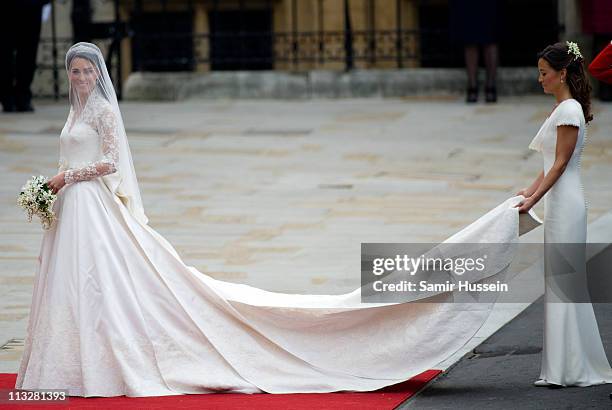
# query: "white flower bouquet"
[[37, 198]]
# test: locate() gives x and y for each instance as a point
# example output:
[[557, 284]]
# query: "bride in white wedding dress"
[[115, 311], [572, 353]]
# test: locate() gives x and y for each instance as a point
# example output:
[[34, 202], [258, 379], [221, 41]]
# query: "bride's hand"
[[525, 205], [57, 182]]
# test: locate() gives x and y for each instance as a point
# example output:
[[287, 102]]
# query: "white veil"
[[122, 183]]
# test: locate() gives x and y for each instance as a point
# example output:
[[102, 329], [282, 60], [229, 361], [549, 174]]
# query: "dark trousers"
[[19, 36]]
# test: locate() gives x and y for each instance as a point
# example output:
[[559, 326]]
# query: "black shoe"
[[472, 95], [491, 94]]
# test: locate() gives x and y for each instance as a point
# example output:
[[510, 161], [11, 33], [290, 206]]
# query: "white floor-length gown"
[[573, 353], [115, 311]]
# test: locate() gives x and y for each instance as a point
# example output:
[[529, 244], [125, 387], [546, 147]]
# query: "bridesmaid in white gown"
[[572, 353]]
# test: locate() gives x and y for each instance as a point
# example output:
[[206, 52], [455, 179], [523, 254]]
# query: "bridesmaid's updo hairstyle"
[[563, 55]]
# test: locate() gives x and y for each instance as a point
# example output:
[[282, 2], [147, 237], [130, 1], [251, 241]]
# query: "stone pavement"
[[280, 194]]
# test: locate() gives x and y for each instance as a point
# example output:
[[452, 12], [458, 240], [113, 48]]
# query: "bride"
[[115, 311]]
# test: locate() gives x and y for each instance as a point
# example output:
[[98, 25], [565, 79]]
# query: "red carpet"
[[386, 398]]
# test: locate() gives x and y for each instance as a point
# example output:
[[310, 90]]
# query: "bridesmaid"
[[572, 352]]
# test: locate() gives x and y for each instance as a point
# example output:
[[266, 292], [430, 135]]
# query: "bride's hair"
[[559, 56], [90, 56]]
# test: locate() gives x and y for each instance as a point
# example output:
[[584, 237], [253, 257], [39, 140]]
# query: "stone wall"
[[319, 84]]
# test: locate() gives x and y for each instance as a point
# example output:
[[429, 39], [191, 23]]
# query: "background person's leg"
[[491, 58], [7, 58], [471, 66], [27, 49]]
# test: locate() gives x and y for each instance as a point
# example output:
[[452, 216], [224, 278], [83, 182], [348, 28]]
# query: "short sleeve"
[[568, 113]]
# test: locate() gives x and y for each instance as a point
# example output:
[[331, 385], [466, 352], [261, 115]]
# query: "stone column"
[[570, 21]]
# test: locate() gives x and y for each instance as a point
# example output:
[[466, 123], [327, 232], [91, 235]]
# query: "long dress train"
[[115, 311]]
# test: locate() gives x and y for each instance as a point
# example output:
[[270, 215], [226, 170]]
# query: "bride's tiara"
[[572, 48]]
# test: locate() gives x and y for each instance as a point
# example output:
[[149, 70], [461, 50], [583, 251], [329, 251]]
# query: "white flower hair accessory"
[[572, 48]]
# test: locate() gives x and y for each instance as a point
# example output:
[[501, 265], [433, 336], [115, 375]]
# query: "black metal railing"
[[241, 35], [268, 50]]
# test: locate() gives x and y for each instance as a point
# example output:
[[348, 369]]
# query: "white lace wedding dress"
[[115, 311], [572, 354]]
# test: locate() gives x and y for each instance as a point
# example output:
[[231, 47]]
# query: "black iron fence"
[[243, 35], [265, 51]]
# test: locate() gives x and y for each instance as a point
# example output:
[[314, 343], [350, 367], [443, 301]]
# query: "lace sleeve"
[[62, 165], [106, 125]]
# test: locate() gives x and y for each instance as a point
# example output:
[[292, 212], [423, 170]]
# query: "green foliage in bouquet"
[[37, 198]]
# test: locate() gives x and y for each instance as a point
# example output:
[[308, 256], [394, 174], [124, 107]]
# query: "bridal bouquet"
[[36, 198]]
